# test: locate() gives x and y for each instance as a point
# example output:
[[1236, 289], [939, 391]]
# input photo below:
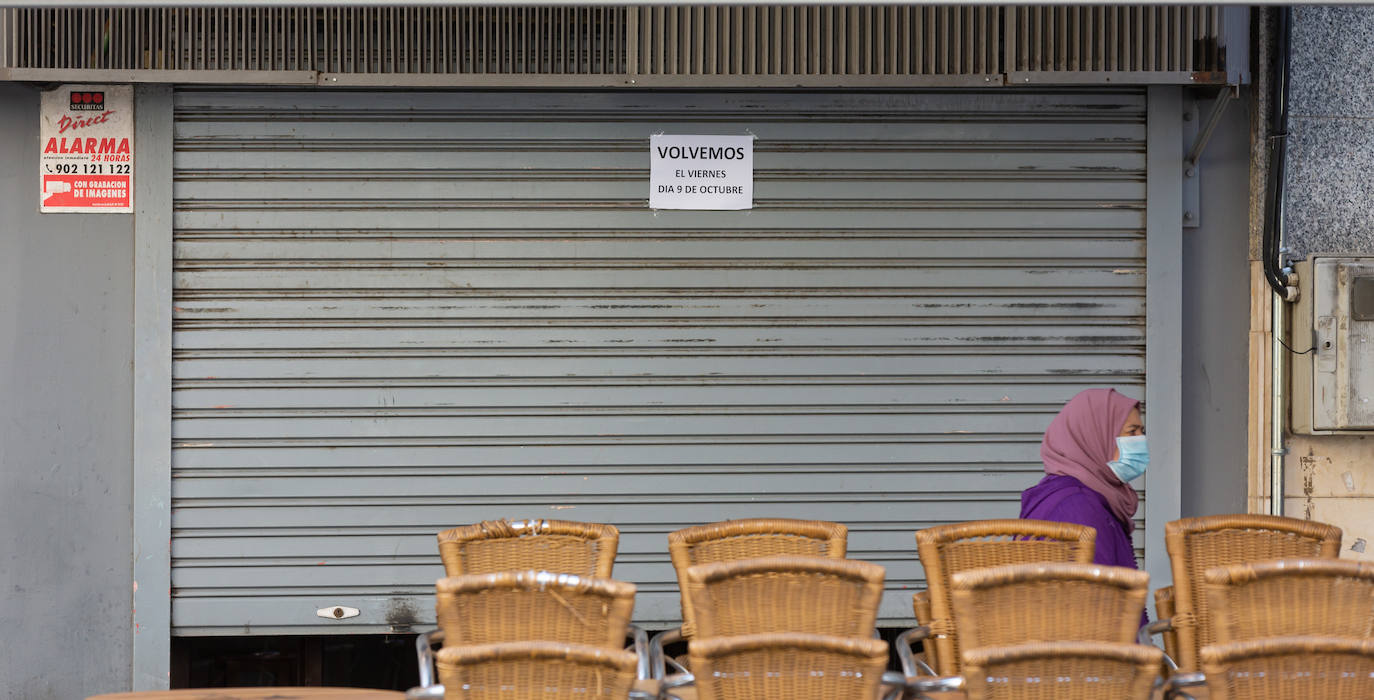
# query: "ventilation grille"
[[1136, 39], [467, 40], [622, 45], [849, 40], [195, 39]]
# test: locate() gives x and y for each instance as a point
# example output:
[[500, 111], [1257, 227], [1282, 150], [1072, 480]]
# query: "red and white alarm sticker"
[[86, 149]]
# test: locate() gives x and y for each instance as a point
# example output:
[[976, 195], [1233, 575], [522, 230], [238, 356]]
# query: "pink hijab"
[[1080, 441]]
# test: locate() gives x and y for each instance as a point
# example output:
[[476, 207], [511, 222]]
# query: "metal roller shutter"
[[398, 312]]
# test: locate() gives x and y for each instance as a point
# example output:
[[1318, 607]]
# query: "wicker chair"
[[1291, 668], [561, 546], [535, 671], [1062, 671], [1048, 602], [1288, 597], [733, 540], [1164, 608], [791, 666], [949, 549], [494, 546], [1198, 544], [837, 597], [516, 606], [751, 538]]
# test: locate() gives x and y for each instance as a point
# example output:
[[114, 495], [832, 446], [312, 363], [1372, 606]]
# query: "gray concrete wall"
[[1330, 209], [66, 354], [1216, 319], [1330, 191]]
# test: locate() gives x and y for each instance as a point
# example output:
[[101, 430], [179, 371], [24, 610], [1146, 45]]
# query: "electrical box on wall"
[[1333, 346]]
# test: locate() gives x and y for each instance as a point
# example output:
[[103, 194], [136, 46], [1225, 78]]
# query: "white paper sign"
[[701, 172], [86, 149]]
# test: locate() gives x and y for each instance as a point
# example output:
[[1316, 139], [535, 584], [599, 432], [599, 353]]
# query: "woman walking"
[[1092, 451]]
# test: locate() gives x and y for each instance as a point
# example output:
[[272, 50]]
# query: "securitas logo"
[[88, 102]]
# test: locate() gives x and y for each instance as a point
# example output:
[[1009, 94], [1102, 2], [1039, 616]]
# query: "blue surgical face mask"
[[1135, 456]]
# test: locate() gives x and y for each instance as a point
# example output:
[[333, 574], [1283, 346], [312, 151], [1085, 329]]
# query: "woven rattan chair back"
[[1290, 668], [1198, 544], [1062, 671], [1049, 602], [790, 666], [949, 549], [837, 597], [519, 606], [751, 538], [535, 671], [561, 546], [1288, 597]]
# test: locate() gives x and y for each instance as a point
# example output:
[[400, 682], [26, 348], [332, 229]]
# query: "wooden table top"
[[256, 694]]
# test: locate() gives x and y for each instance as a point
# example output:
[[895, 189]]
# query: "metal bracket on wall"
[[1192, 209], [1196, 132]]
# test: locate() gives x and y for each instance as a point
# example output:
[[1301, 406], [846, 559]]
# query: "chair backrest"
[[1047, 602], [750, 538], [790, 666], [1279, 668], [1198, 544], [1290, 597], [837, 597], [949, 549], [562, 546], [535, 671], [1062, 671], [515, 606]]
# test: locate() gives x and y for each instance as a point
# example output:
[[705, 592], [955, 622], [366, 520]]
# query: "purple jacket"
[[1065, 499]]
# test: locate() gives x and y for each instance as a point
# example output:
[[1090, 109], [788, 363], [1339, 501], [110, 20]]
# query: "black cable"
[[1295, 352], [1278, 150]]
